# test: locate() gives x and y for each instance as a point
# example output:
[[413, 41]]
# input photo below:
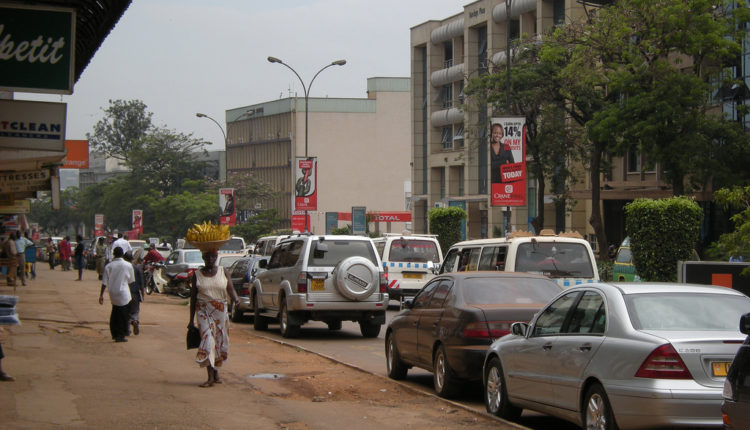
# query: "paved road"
[[348, 346]]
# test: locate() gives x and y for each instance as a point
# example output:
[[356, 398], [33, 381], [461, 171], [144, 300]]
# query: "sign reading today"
[[37, 49]]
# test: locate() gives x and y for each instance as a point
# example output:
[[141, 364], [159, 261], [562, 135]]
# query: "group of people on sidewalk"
[[15, 250]]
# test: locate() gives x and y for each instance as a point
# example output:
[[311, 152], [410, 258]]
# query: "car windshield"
[[483, 290], [193, 257], [554, 259], [420, 251], [686, 312], [338, 250], [227, 261]]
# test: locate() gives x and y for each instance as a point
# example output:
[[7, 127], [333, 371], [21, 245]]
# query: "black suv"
[[736, 407], [321, 278]]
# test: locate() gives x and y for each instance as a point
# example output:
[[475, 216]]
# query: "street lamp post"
[[507, 214], [223, 133], [306, 90]]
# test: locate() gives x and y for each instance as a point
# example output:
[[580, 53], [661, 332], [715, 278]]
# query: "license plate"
[[412, 276], [720, 368], [318, 285]]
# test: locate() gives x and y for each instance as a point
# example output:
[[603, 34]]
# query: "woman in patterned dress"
[[210, 291]]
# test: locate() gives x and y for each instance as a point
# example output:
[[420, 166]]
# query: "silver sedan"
[[609, 356]]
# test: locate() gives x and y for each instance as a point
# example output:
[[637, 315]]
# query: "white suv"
[[321, 278]]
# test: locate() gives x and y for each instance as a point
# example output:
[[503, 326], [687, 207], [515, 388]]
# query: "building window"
[[461, 95], [515, 29], [448, 48], [446, 139], [442, 184], [460, 181], [558, 12], [482, 49], [459, 136], [447, 96], [634, 159]]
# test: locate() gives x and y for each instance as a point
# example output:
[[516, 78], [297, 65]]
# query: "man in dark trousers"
[[118, 275]]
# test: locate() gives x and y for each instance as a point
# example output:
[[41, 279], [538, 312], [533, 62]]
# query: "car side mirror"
[[433, 267], [519, 328], [407, 303], [745, 324]]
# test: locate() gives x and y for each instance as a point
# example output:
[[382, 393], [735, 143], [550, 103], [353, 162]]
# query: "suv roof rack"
[[408, 234], [545, 232]]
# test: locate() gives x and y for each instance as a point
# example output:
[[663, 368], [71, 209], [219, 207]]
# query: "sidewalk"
[[70, 374]]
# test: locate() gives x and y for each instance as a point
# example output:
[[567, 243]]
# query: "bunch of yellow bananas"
[[207, 232]]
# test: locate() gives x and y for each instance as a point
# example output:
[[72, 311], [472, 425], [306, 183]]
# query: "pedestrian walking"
[[78, 259], [122, 243], [116, 279], [65, 251], [9, 250], [21, 244], [100, 251], [51, 251], [137, 294], [210, 289], [30, 252]]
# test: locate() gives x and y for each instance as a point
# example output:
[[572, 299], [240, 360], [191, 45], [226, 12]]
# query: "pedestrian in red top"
[[65, 252]]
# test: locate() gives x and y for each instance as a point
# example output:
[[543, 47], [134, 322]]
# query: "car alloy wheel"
[[396, 368], [597, 414], [496, 393], [445, 386], [287, 330]]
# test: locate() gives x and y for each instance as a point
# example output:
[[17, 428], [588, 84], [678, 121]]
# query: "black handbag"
[[193, 337]]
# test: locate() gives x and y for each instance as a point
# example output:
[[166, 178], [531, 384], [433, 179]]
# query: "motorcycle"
[[159, 281]]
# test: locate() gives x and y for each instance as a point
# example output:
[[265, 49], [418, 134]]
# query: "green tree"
[[124, 126], [662, 232], [262, 224], [174, 214], [249, 190], [737, 242], [550, 145], [446, 224], [65, 220]]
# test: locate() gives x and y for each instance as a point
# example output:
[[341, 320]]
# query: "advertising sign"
[[32, 125], [37, 49], [332, 221], [99, 225], [77, 156], [305, 188], [508, 161], [359, 220], [138, 221], [227, 212], [298, 221], [25, 181]]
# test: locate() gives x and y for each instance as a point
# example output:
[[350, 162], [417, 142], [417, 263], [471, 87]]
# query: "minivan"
[[409, 261], [566, 258]]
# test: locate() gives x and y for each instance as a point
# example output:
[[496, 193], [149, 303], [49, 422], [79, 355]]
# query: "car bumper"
[[244, 304], [466, 361], [737, 415], [342, 310], [655, 407]]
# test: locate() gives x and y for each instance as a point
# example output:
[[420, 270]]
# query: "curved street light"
[[306, 90], [203, 115]]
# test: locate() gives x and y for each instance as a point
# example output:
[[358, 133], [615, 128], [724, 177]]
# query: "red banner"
[[137, 221], [508, 161], [306, 186], [227, 216], [298, 222], [99, 225]]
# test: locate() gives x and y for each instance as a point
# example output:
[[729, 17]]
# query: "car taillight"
[[302, 282], [245, 292], [383, 282], [487, 329], [664, 363]]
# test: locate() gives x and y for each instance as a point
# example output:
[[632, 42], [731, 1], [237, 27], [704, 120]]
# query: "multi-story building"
[[450, 151], [361, 145]]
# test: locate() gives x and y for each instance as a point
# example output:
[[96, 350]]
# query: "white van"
[[566, 258], [265, 245], [409, 261]]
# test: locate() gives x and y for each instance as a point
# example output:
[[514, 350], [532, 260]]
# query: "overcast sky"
[[186, 56]]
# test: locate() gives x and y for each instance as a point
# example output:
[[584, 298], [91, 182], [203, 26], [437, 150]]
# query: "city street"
[[70, 374]]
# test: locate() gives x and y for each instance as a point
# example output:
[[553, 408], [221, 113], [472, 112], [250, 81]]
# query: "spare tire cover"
[[356, 278]]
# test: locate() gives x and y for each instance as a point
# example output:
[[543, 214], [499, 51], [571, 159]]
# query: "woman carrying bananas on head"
[[210, 291]]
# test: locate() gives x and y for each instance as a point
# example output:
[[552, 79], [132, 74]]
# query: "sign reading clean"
[[37, 47], [32, 125]]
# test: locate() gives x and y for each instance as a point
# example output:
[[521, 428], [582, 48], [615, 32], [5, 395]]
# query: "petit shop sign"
[[37, 47]]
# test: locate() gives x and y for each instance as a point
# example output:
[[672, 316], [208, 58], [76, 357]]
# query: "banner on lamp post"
[[99, 225], [227, 215], [306, 184], [508, 161], [137, 221]]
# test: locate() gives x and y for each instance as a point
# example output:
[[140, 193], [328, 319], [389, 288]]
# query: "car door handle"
[[547, 346], [585, 347]]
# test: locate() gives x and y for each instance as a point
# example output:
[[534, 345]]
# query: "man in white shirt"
[[118, 274], [122, 243]]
